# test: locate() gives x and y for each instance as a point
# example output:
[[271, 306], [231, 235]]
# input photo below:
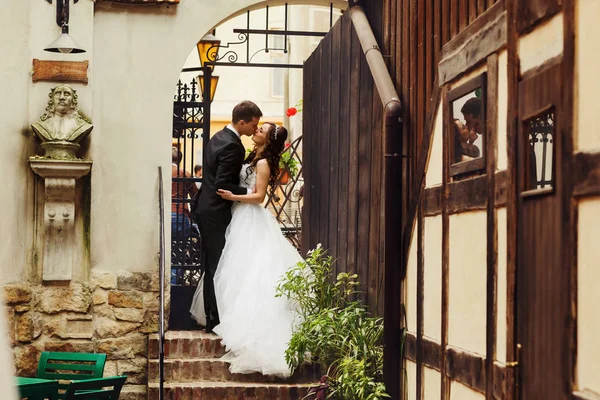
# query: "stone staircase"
[[193, 370]]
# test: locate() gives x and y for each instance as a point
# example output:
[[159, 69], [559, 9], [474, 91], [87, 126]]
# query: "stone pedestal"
[[59, 213]]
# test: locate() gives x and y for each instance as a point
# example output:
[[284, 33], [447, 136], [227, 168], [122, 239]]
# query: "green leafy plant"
[[334, 331], [288, 162]]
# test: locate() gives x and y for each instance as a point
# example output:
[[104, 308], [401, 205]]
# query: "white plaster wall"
[[588, 324], [458, 391], [542, 44], [411, 376], [410, 285], [432, 384], [467, 281], [432, 300], [501, 333], [16, 198], [502, 134], [468, 76], [435, 162], [587, 86]]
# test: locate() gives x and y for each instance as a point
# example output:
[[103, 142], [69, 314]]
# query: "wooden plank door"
[[542, 303]]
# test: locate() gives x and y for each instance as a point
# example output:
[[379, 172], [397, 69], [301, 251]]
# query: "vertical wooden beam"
[[332, 136], [344, 144], [491, 155], [445, 392], [570, 209], [512, 192], [364, 174], [472, 10], [324, 139], [420, 298], [429, 27], [355, 74], [307, 144]]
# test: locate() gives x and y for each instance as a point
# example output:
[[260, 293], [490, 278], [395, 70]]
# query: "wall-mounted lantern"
[[64, 43]]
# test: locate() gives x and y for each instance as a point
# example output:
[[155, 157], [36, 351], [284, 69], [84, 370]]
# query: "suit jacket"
[[221, 170]]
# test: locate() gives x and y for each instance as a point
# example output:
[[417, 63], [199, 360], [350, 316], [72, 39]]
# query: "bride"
[[255, 326]]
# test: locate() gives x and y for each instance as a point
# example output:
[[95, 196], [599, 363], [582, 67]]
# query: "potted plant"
[[288, 166]]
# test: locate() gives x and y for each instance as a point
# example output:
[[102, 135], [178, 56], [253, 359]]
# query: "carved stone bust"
[[61, 125]]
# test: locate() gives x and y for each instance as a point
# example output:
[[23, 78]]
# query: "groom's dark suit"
[[221, 170]]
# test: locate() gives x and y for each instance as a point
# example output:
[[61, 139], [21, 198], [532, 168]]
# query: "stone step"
[[214, 370], [229, 391], [187, 344]]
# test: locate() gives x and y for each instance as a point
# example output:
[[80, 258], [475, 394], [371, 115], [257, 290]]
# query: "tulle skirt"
[[255, 326]]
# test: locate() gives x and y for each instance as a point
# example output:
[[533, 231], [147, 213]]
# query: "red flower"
[[292, 111], [287, 145]]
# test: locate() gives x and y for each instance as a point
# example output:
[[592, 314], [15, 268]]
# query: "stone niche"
[[59, 131]]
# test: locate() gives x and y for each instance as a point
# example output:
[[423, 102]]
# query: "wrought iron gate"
[[190, 123]]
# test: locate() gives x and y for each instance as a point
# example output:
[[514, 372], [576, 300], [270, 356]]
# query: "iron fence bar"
[[248, 64], [248, 38], [161, 312], [266, 31], [285, 38], [279, 32]]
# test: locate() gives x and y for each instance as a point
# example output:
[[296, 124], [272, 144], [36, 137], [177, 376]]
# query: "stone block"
[[135, 280], [133, 392], [17, 294], [106, 328], [129, 299], [76, 346], [99, 296], [26, 359], [10, 321], [29, 327], [150, 324], [105, 280], [53, 325], [151, 301], [21, 308], [110, 368], [135, 369], [127, 347], [78, 327], [129, 314], [104, 310], [76, 298]]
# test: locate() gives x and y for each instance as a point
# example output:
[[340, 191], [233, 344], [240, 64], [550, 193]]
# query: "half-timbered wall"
[[587, 165], [477, 275], [342, 160]]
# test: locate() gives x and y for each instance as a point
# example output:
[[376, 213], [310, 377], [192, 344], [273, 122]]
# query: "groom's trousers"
[[213, 241]]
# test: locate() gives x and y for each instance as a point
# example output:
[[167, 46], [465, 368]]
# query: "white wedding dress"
[[255, 326]]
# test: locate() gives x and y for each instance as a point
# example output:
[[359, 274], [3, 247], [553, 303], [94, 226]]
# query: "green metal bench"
[[64, 366], [96, 389]]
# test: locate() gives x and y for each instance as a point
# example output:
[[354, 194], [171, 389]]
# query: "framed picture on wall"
[[466, 126]]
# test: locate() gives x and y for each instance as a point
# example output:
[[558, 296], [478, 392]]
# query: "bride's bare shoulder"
[[263, 165]]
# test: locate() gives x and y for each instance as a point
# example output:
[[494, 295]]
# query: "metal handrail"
[[161, 268]]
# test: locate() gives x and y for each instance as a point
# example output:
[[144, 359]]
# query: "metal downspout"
[[392, 152]]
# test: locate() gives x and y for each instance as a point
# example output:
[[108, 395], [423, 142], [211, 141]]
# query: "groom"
[[221, 170]]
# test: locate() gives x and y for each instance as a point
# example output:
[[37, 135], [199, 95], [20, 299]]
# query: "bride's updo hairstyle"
[[274, 146]]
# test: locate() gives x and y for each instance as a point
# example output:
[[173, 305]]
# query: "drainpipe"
[[392, 152]]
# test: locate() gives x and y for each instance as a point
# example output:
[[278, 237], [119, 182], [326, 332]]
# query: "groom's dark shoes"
[[211, 322]]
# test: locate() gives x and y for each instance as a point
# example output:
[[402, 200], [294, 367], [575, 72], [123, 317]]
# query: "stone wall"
[[112, 314]]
